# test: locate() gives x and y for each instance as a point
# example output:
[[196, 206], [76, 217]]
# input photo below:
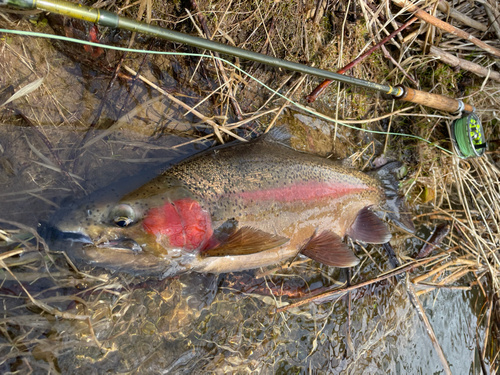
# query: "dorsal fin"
[[328, 248], [347, 163], [367, 227], [244, 241], [278, 134]]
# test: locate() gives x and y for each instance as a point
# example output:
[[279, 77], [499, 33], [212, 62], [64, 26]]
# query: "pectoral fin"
[[328, 248], [244, 241], [367, 227]]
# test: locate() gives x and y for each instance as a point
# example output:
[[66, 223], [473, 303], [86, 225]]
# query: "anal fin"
[[367, 227], [244, 241], [328, 248]]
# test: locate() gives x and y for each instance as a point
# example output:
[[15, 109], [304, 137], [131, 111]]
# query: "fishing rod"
[[400, 92]]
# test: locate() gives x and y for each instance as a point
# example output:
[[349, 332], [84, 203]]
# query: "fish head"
[[139, 233]]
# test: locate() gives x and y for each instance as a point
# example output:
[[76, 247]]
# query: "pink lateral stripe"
[[304, 192]]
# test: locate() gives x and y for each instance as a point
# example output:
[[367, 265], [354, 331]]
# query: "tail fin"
[[395, 206]]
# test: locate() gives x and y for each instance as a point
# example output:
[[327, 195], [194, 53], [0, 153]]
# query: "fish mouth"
[[54, 235], [118, 254], [120, 244]]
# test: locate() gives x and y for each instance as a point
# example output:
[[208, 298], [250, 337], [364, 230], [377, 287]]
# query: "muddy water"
[[195, 323]]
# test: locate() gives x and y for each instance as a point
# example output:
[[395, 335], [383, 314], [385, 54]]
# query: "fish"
[[232, 209]]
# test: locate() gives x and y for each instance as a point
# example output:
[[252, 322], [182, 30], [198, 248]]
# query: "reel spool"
[[468, 136]]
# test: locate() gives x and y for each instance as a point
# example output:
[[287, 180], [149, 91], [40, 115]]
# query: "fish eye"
[[122, 215]]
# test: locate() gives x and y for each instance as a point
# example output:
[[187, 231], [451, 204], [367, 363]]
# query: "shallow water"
[[195, 323]]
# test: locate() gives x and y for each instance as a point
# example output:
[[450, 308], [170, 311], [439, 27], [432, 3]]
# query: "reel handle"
[[433, 100]]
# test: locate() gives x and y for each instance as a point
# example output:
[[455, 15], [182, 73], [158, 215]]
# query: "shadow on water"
[[114, 323]]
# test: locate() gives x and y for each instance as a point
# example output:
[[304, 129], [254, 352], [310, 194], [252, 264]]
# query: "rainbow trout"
[[233, 209]]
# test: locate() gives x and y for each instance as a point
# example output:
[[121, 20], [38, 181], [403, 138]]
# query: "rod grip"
[[433, 100]]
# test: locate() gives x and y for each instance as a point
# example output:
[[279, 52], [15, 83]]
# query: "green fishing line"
[[308, 110], [468, 136]]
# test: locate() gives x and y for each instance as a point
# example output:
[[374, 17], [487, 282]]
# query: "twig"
[[488, 325], [47, 143], [47, 308], [397, 65], [374, 9], [439, 286], [320, 11], [108, 88], [431, 31], [457, 62], [423, 317], [331, 293], [420, 309], [323, 85], [445, 7], [494, 18], [348, 325], [285, 104], [184, 105], [202, 20], [481, 355], [426, 17], [92, 333], [434, 240], [456, 262]]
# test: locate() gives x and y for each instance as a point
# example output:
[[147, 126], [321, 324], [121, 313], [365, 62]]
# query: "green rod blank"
[[109, 19]]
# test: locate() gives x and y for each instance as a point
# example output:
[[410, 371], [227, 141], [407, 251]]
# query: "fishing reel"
[[467, 136]]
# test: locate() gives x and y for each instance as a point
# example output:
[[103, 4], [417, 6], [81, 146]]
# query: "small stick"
[[47, 143], [323, 85], [444, 7], [420, 309], [456, 262], [441, 231], [396, 64], [320, 11], [285, 104], [202, 20], [374, 9], [182, 104], [490, 11], [445, 283], [459, 273], [93, 125], [330, 293], [348, 328], [92, 333], [439, 286], [457, 62], [423, 317], [488, 325], [43, 306], [480, 352], [426, 17]]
